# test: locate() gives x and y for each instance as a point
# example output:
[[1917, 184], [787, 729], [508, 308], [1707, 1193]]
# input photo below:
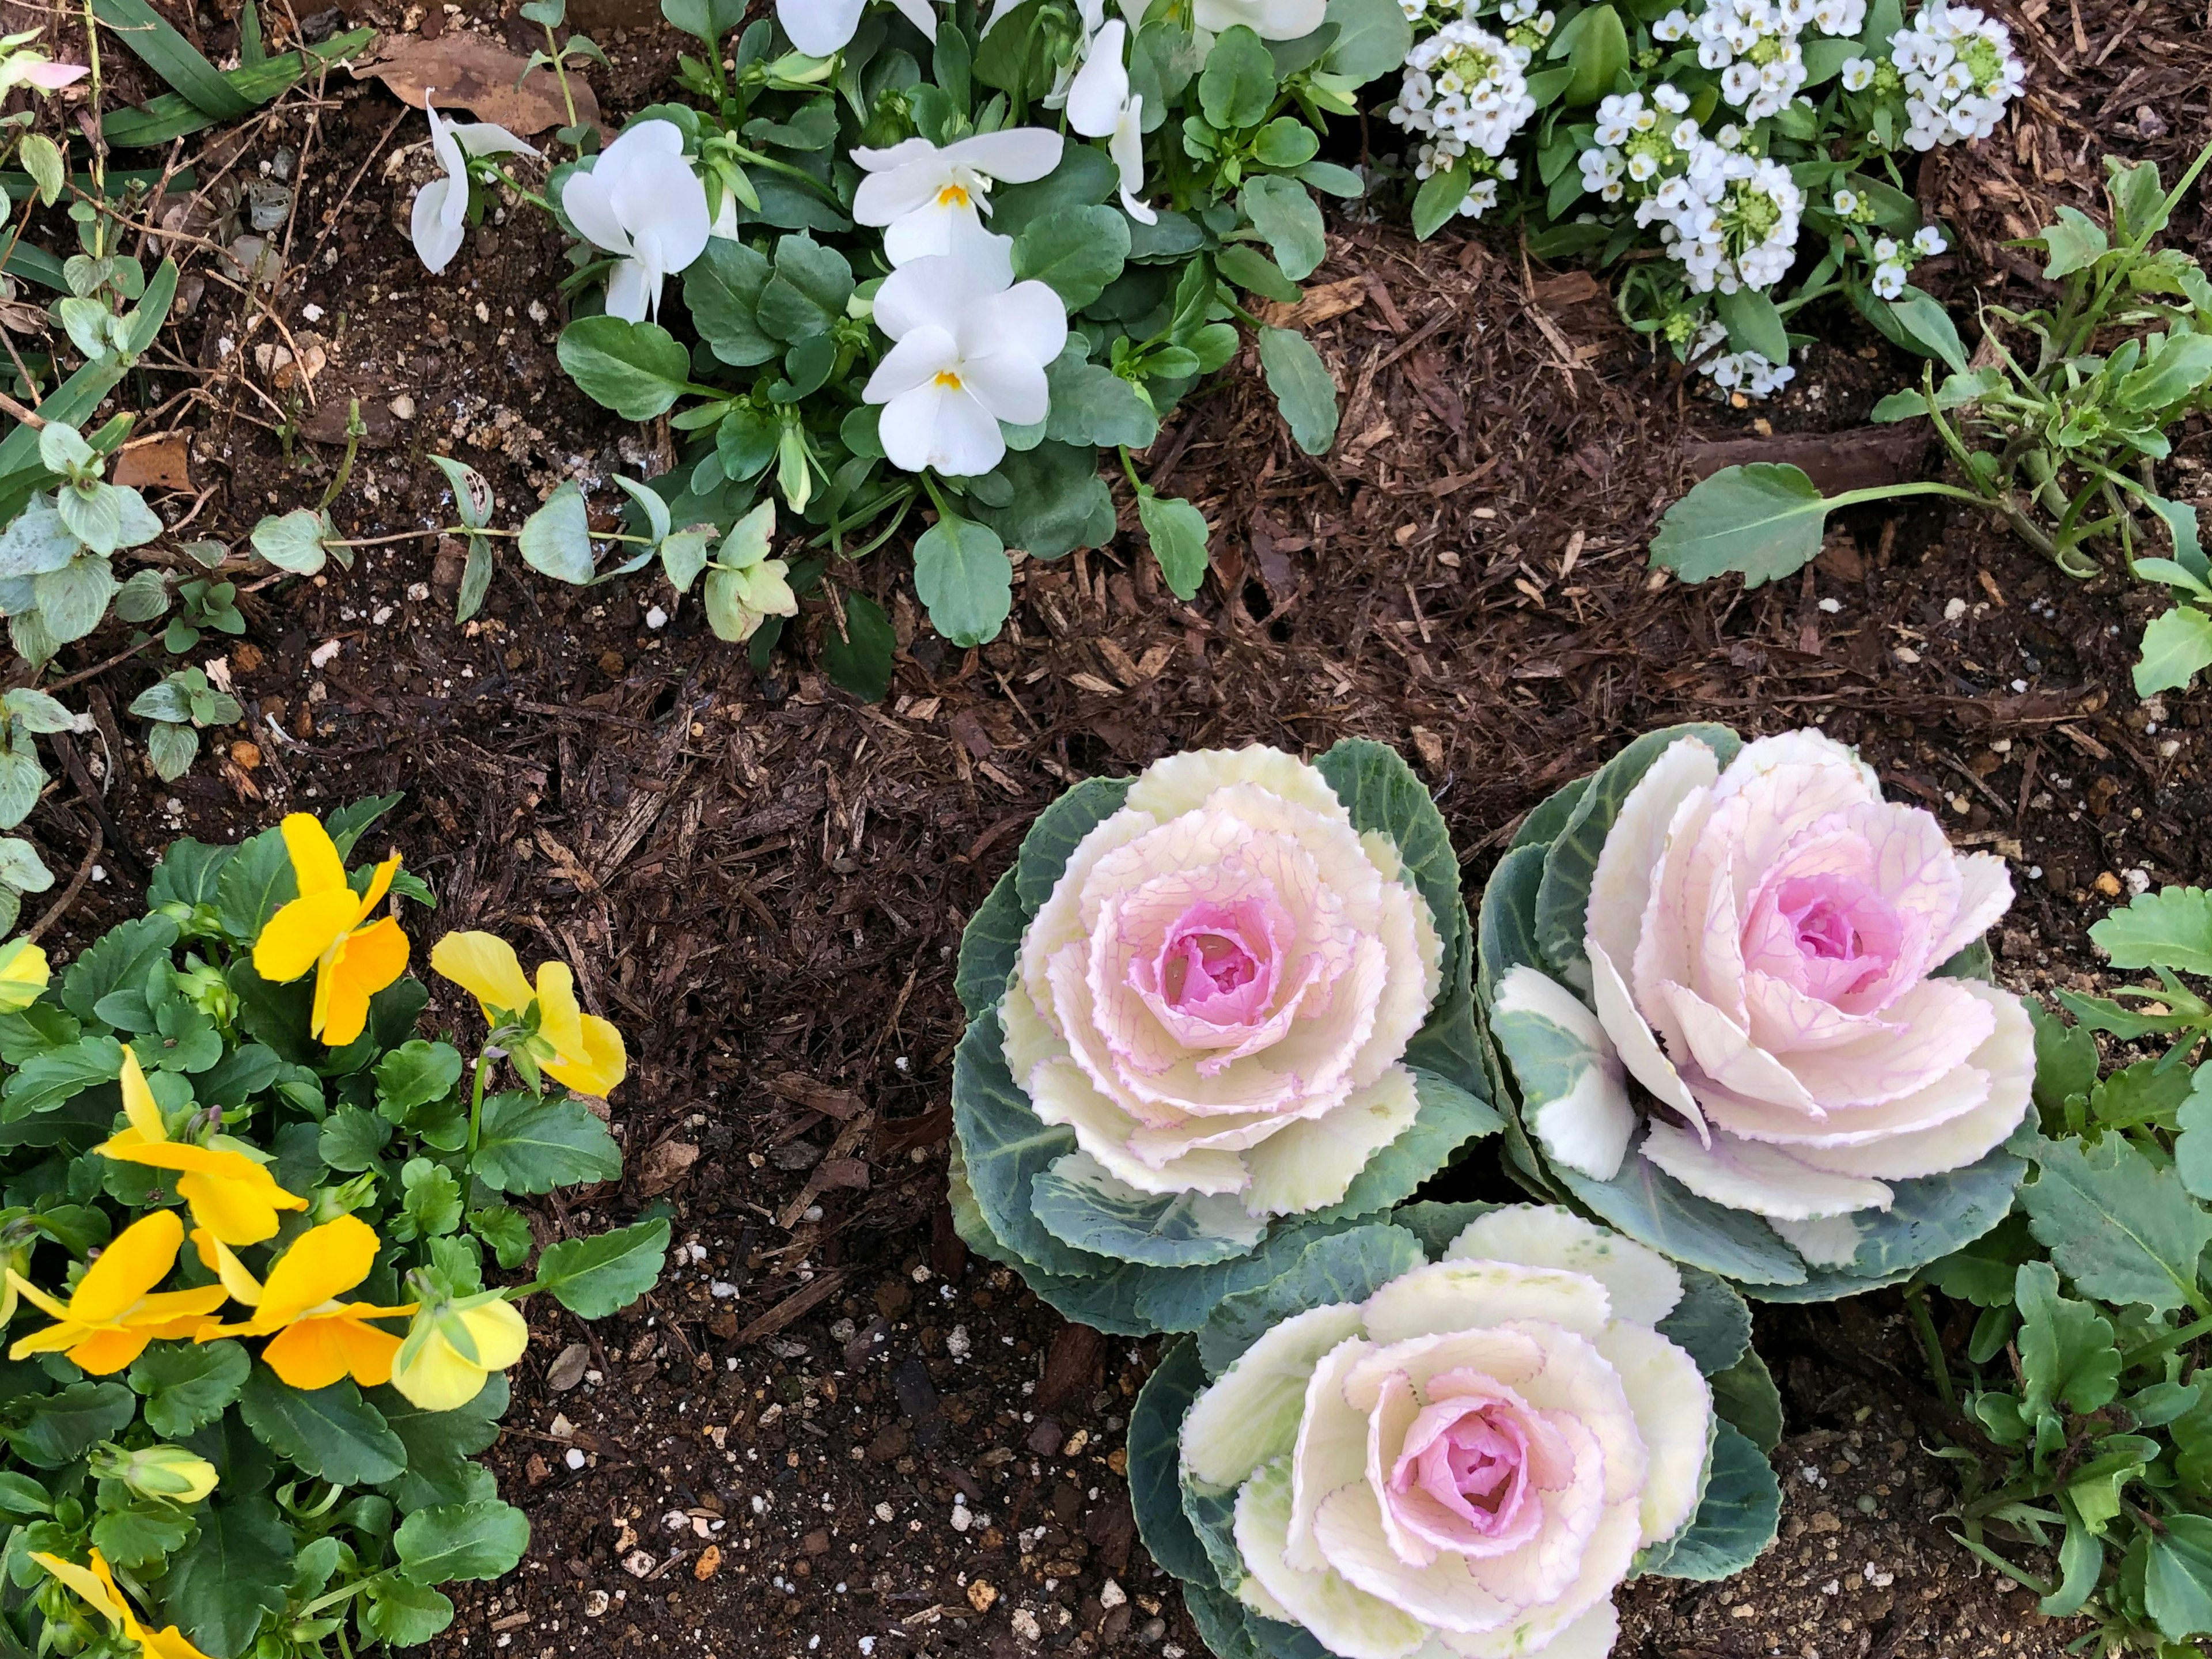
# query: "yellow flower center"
[[948, 379], [953, 196]]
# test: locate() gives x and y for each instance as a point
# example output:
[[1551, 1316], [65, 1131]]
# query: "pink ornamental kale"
[[1762, 942], [1216, 996]]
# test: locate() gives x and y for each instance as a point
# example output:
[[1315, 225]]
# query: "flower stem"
[[1916, 1297], [476, 1105]]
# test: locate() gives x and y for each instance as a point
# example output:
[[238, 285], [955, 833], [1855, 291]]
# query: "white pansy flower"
[[641, 200], [970, 352], [1271, 20], [931, 199], [441, 207], [818, 27]]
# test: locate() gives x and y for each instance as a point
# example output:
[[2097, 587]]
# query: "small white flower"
[[1847, 204], [1928, 241], [641, 200], [1885, 249], [440, 219], [1675, 26], [970, 352], [1888, 281], [932, 200], [1858, 74], [1670, 98]]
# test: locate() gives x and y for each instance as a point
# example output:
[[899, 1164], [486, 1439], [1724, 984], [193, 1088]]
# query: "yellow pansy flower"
[[322, 929], [231, 1194], [315, 1339], [23, 976], [450, 1351], [587, 1052], [114, 1311], [95, 1587]]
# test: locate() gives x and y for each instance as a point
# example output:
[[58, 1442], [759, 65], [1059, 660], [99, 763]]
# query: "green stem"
[[799, 173], [528, 195], [1894, 492], [356, 427], [2160, 1346], [476, 1105], [344, 1592], [561, 73], [1916, 1297]]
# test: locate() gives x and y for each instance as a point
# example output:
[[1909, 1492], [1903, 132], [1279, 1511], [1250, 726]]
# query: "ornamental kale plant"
[[1740, 1006], [1455, 1429], [252, 1238], [1745, 141], [2081, 1373], [908, 265], [1215, 1012], [2058, 433]]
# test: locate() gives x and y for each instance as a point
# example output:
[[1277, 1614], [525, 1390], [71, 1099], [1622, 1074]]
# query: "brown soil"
[[829, 1432]]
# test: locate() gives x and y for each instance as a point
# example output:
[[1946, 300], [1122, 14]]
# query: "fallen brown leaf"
[[160, 462], [469, 72], [665, 1164]]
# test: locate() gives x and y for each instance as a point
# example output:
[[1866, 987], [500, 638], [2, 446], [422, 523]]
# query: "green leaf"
[[441, 1444], [172, 749], [556, 539], [989, 947], [1285, 215], [1595, 42], [859, 659], [294, 542], [46, 1080], [1928, 328], [1177, 533], [2176, 647], [431, 1202], [1763, 522], [1007, 1148], [2177, 1577], [722, 290], [637, 369], [72, 600], [1237, 87], [1080, 1203], [1653, 1208], [227, 1579], [1059, 504], [1745, 1396], [173, 57], [1437, 202], [1347, 1267], [1753, 324], [118, 961], [506, 1231], [461, 1542], [2169, 928], [961, 572], [1155, 1480], [1093, 407], [352, 1138], [1928, 1218], [186, 1385], [2075, 243], [60, 1428], [1077, 252], [1303, 390], [2120, 1227], [1711, 1324], [605, 1274], [401, 1614], [2175, 372], [1735, 1520], [529, 1143], [1246, 266], [806, 295], [1448, 1118], [2066, 1351], [473, 500], [143, 1536], [333, 1434], [253, 885], [414, 1074], [1372, 40]]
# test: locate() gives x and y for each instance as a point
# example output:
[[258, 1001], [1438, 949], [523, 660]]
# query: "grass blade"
[[172, 57], [251, 49], [171, 116]]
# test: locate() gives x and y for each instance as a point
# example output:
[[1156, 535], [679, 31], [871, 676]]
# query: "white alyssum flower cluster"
[[1465, 91], [1748, 373], [1730, 218], [1959, 74], [1757, 45], [1637, 143]]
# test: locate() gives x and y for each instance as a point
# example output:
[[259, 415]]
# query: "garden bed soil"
[[829, 1431]]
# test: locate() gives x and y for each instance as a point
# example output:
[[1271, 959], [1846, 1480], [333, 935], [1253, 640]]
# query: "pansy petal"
[[1017, 155], [135, 1260], [315, 860], [484, 966], [320, 1264], [293, 940]]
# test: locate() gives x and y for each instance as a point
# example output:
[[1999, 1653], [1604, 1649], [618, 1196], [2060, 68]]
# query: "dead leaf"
[[567, 1371], [664, 1165], [469, 72], [160, 462], [1320, 305]]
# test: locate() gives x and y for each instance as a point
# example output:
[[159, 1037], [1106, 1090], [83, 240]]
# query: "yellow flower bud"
[[169, 1472], [23, 976]]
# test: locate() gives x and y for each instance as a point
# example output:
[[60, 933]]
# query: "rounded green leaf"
[[962, 574], [637, 369], [1763, 522]]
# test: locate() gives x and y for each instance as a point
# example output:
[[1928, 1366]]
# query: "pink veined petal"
[[919, 357], [1957, 1092], [909, 428], [1781, 801], [885, 197], [818, 27], [1663, 936], [1984, 895], [1010, 386], [1018, 155], [590, 206], [1743, 1175], [1707, 896], [632, 291], [1938, 1023], [1628, 864], [436, 242], [969, 441], [1101, 86], [1723, 1052], [53, 77], [924, 293], [1027, 321], [1784, 1020]]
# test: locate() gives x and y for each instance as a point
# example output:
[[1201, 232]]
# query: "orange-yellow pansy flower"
[[114, 1311], [322, 929], [95, 1587], [314, 1338], [24, 974], [588, 1055], [232, 1195], [450, 1352]]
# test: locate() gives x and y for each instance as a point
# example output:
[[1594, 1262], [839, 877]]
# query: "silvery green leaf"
[[140, 522], [172, 749], [94, 513], [556, 539], [22, 777], [749, 539], [86, 321], [476, 579], [472, 497], [684, 555], [164, 700], [1082, 1204], [39, 713], [36, 542], [42, 160], [11, 907], [1735, 1520], [34, 641], [72, 600], [649, 503], [143, 597], [21, 868], [294, 542]]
